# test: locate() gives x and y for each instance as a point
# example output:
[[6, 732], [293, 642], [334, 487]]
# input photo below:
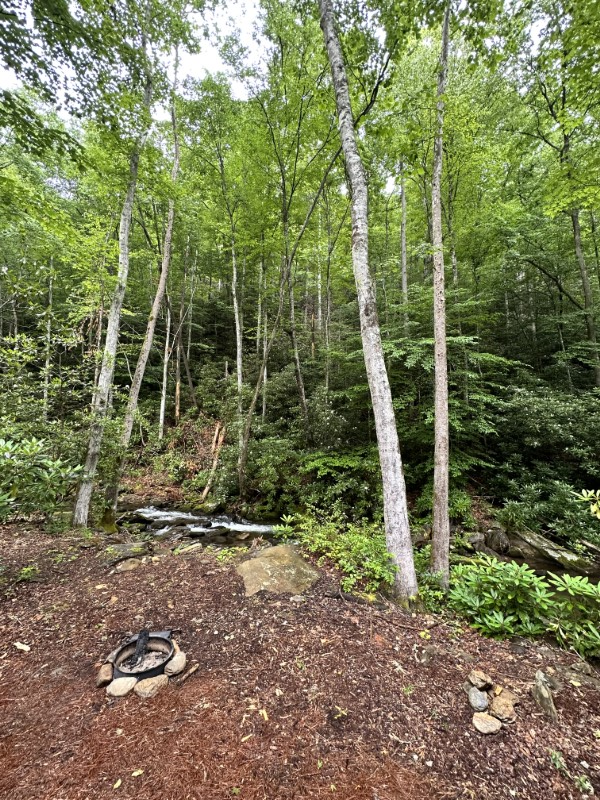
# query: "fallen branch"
[[186, 675]]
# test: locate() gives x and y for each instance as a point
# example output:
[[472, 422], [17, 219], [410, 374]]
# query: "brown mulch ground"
[[291, 700]]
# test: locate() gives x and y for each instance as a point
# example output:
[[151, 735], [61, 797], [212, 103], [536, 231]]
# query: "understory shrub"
[[357, 548], [30, 479], [506, 599]]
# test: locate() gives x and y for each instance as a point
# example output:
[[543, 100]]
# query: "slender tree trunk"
[[440, 540], [140, 369], [319, 320], [265, 359], [595, 241], [261, 273], [48, 340], [403, 258], [238, 334], [588, 299], [296, 353], [101, 399], [394, 491], [165, 378]]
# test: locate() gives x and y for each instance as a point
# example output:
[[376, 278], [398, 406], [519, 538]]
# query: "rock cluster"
[[145, 688], [494, 705]]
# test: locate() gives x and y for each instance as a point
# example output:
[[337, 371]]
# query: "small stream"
[[220, 530]]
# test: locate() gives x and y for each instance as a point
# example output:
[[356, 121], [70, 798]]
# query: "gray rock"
[[527, 541], [151, 686], [486, 724], [480, 679], [176, 664], [429, 653], [543, 696], [120, 687], [496, 539], [105, 675], [279, 569], [117, 552], [478, 699], [128, 565]]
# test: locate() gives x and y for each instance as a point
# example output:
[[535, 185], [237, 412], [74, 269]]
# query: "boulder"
[[480, 679], [105, 675], [120, 687], [151, 686], [280, 569], [121, 551], [176, 664], [502, 708], [497, 539], [129, 564], [486, 724], [534, 546], [478, 699]]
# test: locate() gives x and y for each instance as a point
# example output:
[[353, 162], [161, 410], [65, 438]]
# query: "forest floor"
[[324, 698]]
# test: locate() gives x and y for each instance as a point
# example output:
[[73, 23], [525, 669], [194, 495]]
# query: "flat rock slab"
[[279, 569], [120, 687], [151, 686], [121, 551], [486, 724]]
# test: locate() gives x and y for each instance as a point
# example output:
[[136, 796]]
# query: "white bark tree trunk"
[[394, 491], [48, 341], [440, 550], [165, 379], [403, 258], [101, 398]]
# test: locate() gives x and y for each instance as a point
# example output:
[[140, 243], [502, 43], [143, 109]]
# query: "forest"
[[325, 276]]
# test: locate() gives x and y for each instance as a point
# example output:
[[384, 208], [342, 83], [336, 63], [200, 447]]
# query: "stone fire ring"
[[157, 643]]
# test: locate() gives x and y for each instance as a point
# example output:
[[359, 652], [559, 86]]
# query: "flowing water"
[[209, 529]]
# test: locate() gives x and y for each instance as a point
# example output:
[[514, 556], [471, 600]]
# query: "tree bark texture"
[[440, 550], [394, 491]]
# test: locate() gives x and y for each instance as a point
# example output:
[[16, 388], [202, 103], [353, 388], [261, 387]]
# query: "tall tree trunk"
[[296, 353], [595, 241], [140, 369], [101, 398], [238, 333], [394, 491], [48, 340], [403, 258], [165, 378], [440, 540], [588, 299], [261, 272]]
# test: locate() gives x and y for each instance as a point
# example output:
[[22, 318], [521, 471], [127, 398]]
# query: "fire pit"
[[132, 662]]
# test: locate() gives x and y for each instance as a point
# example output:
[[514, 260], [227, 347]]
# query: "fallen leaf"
[[113, 600], [170, 604], [101, 586], [264, 714], [24, 647], [136, 773], [117, 784], [245, 738]]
